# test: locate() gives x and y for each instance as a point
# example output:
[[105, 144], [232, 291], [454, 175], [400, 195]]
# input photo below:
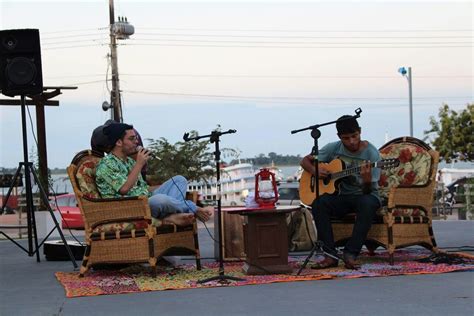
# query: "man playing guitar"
[[357, 193]]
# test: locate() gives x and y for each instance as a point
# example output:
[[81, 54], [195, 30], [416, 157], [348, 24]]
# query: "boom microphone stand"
[[30, 212], [315, 134], [214, 138]]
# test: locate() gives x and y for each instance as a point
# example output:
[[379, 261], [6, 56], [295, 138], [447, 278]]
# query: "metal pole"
[[410, 96], [115, 101]]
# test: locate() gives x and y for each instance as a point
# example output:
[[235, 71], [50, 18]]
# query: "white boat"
[[236, 183], [279, 176]]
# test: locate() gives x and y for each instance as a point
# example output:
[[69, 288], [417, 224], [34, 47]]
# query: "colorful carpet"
[[139, 279]]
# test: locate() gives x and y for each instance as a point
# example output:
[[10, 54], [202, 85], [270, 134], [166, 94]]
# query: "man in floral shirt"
[[119, 175], [357, 193]]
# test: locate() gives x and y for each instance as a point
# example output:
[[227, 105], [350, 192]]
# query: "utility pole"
[[410, 97], [115, 100], [118, 31], [407, 74]]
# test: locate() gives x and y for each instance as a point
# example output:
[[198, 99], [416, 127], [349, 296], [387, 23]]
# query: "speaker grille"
[[21, 71]]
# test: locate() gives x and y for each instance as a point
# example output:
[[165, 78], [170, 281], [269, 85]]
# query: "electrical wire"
[[300, 37], [50, 185], [75, 30], [278, 97], [75, 46], [310, 31], [287, 76], [293, 47]]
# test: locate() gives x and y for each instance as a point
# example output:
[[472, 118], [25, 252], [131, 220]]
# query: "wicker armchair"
[[406, 218], [121, 230]]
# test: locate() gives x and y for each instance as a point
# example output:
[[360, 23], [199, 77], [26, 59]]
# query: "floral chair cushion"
[[414, 168], [125, 229], [85, 177], [402, 212]]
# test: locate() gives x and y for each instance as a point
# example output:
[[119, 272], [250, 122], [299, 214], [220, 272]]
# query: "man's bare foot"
[[179, 219], [204, 213]]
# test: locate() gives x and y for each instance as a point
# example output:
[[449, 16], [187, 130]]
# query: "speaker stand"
[[30, 212]]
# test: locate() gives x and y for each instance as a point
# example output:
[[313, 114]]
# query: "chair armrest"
[[100, 211]]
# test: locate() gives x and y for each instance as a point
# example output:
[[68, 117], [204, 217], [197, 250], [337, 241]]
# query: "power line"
[[280, 97], [309, 31], [286, 42], [284, 102], [76, 30], [74, 41], [294, 47], [75, 46], [300, 37], [260, 76], [70, 36], [74, 76], [291, 76], [84, 83]]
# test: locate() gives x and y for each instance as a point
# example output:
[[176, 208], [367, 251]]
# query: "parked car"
[[288, 193], [455, 190], [70, 212]]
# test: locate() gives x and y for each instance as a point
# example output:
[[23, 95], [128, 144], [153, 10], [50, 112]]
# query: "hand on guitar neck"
[[366, 172]]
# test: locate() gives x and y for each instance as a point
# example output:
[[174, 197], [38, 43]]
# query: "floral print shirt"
[[111, 175]]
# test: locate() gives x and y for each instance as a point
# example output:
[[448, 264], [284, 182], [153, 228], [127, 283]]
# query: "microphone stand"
[[315, 134], [214, 138]]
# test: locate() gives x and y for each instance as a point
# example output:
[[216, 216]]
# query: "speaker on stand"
[[21, 74], [20, 62]]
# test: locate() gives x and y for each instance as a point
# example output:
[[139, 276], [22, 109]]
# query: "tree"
[[189, 159], [454, 133]]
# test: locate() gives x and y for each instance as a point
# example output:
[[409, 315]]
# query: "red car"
[[70, 213]]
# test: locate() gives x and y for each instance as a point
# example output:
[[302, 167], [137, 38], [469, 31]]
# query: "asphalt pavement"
[[30, 288]]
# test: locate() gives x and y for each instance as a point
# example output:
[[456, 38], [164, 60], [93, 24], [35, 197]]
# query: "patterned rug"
[[139, 279]]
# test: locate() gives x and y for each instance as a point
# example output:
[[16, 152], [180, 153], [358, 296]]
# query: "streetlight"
[[407, 74]]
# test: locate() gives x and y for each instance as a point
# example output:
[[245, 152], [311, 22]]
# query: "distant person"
[[356, 193], [99, 141], [440, 176], [119, 175]]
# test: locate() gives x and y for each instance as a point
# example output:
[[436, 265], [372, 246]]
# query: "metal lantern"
[[266, 190]]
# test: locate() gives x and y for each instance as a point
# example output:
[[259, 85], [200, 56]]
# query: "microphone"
[[151, 154]]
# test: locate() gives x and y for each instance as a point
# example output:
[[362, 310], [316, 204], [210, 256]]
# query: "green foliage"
[[189, 159], [454, 132]]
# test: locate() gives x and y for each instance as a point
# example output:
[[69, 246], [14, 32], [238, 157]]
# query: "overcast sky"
[[263, 68]]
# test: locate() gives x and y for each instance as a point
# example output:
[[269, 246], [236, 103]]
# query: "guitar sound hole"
[[326, 181]]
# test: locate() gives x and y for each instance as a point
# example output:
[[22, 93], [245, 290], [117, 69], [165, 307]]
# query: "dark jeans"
[[328, 206]]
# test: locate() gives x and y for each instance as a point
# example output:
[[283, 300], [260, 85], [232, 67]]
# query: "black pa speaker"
[[20, 62]]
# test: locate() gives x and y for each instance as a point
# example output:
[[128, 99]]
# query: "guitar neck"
[[349, 172]]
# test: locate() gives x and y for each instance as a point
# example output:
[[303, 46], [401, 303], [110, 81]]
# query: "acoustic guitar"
[[337, 171]]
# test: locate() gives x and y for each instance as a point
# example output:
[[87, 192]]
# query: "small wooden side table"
[[265, 239]]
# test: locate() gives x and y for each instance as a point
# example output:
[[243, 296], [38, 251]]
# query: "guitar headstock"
[[388, 163]]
